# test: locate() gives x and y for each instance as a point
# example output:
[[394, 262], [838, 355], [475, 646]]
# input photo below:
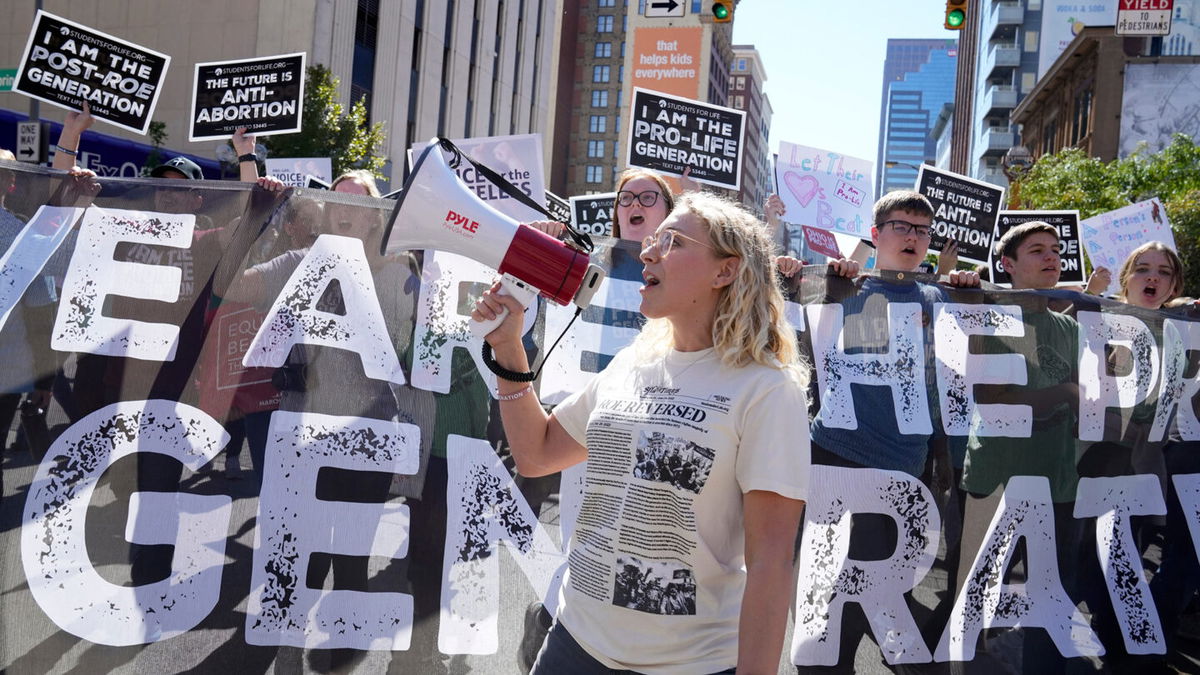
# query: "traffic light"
[[956, 14], [722, 11]]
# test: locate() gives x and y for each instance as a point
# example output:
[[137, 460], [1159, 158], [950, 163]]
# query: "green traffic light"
[[720, 11], [955, 18]]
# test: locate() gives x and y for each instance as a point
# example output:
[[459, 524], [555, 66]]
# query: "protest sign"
[[518, 159], [1110, 237], [593, 214], [825, 189], [669, 134], [821, 241], [68, 64], [297, 171], [127, 548], [265, 95], [964, 209], [1071, 253], [558, 207]]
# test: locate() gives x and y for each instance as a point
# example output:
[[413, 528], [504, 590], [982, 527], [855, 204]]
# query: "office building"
[[913, 99], [746, 78], [607, 48], [457, 68]]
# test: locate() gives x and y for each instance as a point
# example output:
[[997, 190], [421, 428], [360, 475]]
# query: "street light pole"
[[1015, 163]]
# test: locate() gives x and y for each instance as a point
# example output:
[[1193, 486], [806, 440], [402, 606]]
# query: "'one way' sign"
[[30, 144]]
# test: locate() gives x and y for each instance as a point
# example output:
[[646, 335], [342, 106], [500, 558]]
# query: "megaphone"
[[437, 210]]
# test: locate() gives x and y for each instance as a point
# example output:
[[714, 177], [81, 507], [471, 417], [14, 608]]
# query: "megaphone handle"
[[509, 285]]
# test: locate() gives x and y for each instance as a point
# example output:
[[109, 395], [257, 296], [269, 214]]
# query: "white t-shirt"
[[656, 568]]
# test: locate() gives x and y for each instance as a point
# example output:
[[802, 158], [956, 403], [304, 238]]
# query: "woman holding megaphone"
[[698, 463]]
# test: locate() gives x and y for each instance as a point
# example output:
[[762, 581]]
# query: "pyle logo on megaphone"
[[456, 222]]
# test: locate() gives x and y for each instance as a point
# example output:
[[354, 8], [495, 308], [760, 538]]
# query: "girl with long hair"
[[697, 459]]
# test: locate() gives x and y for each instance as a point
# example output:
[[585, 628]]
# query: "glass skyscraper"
[[918, 80]]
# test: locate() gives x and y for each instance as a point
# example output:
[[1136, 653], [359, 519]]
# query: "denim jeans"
[[562, 654]]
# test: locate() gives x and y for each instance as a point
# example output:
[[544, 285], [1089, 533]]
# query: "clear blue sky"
[[824, 63]]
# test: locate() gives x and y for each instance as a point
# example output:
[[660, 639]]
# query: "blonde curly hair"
[[750, 324]]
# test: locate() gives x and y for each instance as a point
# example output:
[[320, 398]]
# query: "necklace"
[[683, 370]]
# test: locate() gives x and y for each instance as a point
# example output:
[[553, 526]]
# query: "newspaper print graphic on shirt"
[[650, 569]]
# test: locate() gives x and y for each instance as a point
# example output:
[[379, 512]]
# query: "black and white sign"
[[558, 207], [593, 214], [669, 134], [31, 142], [964, 210], [265, 95], [67, 64], [656, 9], [1067, 224]]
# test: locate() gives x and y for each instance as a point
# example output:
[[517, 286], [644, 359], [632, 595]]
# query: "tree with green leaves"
[[331, 131], [158, 138], [1069, 179]]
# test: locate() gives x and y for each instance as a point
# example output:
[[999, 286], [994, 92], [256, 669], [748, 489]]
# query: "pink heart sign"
[[803, 188]]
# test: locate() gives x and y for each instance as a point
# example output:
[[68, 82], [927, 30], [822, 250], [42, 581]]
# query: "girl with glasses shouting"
[[698, 463], [643, 201]]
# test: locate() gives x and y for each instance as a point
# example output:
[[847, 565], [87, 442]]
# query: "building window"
[[604, 23], [595, 148], [1049, 131], [600, 98], [1031, 41], [603, 50], [696, 6], [600, 73], [741, 65], [595, 174], [620, 73], [598, 124], [741, 83], [1082, 117], [739, 102], [606, 3]]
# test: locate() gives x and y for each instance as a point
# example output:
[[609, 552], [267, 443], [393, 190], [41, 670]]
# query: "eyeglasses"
[[646, 198], [905, 228], [665, 240]]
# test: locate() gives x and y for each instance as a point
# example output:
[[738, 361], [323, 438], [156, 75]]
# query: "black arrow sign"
[[670, 5], [25, 152]]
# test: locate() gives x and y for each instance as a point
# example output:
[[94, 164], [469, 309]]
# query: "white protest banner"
[[296, 171], [1110, 237], [517, 158], [964, 209], [1070, 252], [669, 134], [593, 214], [265, 95], [67, 64], [825, 189]]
